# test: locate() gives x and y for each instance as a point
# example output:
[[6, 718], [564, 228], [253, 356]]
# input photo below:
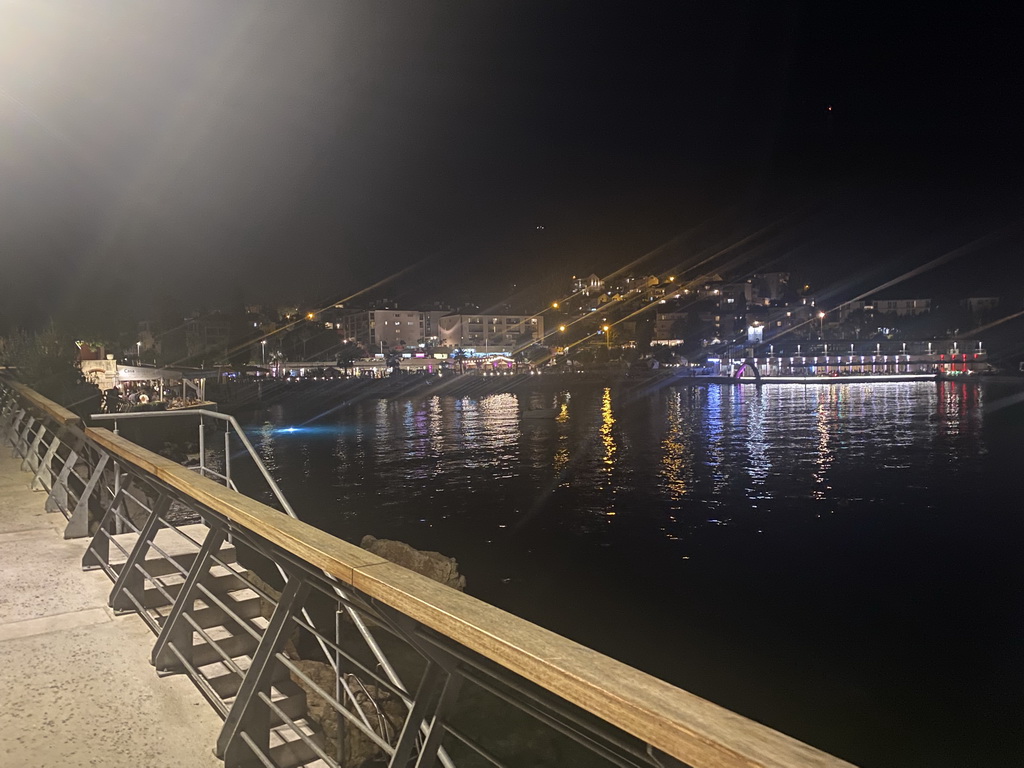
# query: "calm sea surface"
[[840, 562]]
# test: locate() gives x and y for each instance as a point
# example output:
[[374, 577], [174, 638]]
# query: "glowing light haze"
[[214, 152]]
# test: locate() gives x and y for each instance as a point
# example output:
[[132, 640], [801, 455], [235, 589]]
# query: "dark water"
[[840, 562]]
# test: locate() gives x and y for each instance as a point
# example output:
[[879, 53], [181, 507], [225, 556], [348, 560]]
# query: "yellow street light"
[[554, 304], [561, 328]]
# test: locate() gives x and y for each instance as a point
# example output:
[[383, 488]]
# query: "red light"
[[975, 355], [942, 356]]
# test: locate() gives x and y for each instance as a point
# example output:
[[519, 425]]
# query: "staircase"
[[233, 618]]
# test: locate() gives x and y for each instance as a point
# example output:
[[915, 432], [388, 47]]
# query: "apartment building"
[[375, 329], [489, 331]]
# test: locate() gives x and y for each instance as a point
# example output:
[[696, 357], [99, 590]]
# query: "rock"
[[385, 713], [174, 452], [433, 565], [267, 610], [266, 607], [317, 707]]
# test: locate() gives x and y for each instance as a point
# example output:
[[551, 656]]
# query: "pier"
[[78, 685]]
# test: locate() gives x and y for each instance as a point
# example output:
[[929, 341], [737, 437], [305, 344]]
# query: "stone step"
[[243, 604], [182, 550], [226, 682], [288, 696], [233, 645], [220, 581], [287, 750]]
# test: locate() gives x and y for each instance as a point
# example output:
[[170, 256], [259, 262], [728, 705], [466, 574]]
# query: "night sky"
[[209, 152]]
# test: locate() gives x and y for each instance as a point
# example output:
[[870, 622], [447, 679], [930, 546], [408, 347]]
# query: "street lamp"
[[607, 336], [821, 324], [554, 305], [264, 345], [138, 351], [561, 328]]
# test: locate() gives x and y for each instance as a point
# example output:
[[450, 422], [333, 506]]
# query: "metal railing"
[[290, 667], [231, 426]]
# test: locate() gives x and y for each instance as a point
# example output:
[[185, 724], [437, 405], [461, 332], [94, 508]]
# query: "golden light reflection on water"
[[827, 414], [677, 450], [607, 434]]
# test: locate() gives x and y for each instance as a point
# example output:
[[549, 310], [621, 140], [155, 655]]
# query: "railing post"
[[6, 413], [202, 447], [31, 462], [57, 501], [45, 467], [12, 433], [425, 693], [97, 554], [130, 581], [249, 713], [78, 524], [227, 455], [21, 446], [435, 730], [118, 522], [418, 727], [177, 632]]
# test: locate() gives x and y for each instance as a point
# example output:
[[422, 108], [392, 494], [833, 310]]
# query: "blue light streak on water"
[[315, 430]]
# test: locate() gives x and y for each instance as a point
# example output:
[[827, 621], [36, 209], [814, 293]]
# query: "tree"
[[48, 363], [347, 355], [584, 357], [459, 358]]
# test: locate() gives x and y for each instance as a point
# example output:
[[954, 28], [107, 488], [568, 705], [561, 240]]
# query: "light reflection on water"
[[821, 514], [733, 450]]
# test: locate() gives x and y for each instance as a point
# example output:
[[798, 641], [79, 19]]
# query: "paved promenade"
[[76, 685]]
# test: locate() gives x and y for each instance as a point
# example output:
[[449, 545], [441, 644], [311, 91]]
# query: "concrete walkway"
[[76, 685]]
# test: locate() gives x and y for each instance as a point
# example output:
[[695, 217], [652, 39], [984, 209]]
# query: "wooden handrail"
[[674, 721], [58, 413]]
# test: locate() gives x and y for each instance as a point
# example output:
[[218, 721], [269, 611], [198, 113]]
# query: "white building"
[[899, 307], [979, 305], [376, 328], [489, 332], [903, 307], [587, 285]]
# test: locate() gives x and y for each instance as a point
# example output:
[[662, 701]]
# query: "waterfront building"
[[668, 327], [379, 328], [489, 331], [790, 356], [980, 306], [431, 321], [898, 307]]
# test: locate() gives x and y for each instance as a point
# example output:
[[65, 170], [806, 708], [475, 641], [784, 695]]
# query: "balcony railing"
[[276, 621]]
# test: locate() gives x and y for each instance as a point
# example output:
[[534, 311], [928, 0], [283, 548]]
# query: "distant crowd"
[[128, 398]]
